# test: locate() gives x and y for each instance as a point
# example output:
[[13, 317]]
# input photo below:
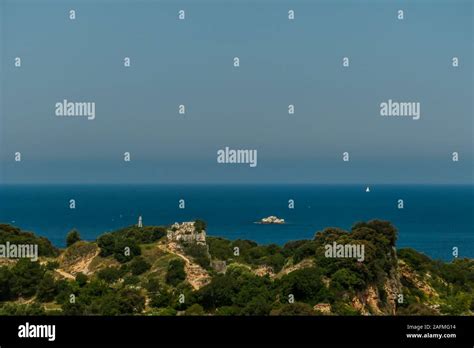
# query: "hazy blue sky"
[[191, 62]]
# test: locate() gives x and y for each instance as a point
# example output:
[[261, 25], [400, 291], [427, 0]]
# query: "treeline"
[[378, 238], [124, 244], [135, 285], [14, 235]]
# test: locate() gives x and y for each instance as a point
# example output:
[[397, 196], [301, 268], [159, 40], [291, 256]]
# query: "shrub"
[[200, 225], [139, 266], [81, 279], [195, 309], [26, 275], [72, 237], [305, 285], [15, 236], [22, 309], [219, 248], [110, 274], [162, 299], [122, 248], [297, 308], [199, 254], [47, 289], [175, 273]]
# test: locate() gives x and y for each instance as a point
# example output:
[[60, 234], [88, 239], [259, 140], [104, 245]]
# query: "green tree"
[[76, 308], [81, 279], [126, 249], [219, 248], [26, 276], [228, 311], [195, 310], [110, 274], [297, 308], [276, 261], [259, 305], [72, 237], [139, 266], [344, 279], [131, 280], [47, 289], [15, 236], [458, 304], [220, 292], [106, 243], [52, 265], [130, 301], [22, 309], [6, 279], [305, 285], [152, 285], [175, 273], [123, 247], [200, 225], [168, 311], [383, 228], [64, 290], [198, 253], [161, 299]]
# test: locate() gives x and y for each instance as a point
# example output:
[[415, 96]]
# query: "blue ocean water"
[[434, 219]]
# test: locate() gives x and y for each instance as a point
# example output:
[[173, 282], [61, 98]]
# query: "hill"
[[179, 270]]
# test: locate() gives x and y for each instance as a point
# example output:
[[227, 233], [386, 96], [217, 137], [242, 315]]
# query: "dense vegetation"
[[294, 279], [454, 282], [124, 243], [14, 235]]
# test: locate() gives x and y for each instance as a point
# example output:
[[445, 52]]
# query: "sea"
[[434, 218]]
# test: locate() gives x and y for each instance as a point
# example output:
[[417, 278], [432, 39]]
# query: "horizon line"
[[236, 184]]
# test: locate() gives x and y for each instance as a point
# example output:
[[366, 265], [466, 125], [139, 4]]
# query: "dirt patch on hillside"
[[195, 274], [77, 258]]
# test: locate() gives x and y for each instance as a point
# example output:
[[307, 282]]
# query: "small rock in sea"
[[272, 220]]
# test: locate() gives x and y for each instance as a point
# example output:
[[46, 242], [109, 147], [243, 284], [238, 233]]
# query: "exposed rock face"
[[372, 300], [186, 232], [264, 270], [367, 302], [272, 220], [291, 268], [219, 266], [417, 281], [78, 257], [196, 275], [393, 288], [358, 305], [324, 308]]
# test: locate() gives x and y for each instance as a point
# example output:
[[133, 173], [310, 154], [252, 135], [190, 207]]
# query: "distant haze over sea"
[[435, 218]]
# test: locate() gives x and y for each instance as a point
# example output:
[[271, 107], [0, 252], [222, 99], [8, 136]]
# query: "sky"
[[282, 62]]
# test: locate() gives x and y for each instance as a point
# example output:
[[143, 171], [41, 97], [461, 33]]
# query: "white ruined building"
[[186, 232]]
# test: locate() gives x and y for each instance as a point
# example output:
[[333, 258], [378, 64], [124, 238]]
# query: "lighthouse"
[[140, 221]]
